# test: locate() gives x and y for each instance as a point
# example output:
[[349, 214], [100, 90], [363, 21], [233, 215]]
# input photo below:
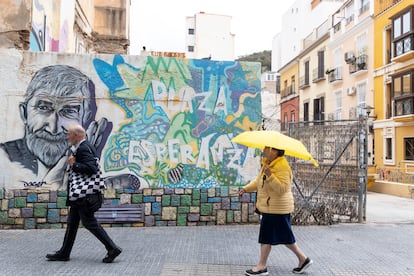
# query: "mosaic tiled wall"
[[40, 209]]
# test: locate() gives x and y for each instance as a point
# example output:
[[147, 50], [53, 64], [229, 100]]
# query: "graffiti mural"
[[56, 97], [157, 122], [179, 118], [50, 26]]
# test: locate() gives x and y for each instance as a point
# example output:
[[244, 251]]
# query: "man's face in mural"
[[47, 119]]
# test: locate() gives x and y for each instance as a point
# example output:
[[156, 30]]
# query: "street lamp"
[[363, 161]]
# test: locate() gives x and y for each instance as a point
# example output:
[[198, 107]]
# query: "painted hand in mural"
[[54, 176], [96, 132]]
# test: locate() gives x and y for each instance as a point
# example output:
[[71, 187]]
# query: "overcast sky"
[[159, 25]]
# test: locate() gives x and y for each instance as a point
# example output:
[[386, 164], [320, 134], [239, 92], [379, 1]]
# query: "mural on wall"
[[165, 122], [180, 116], [50, 27], [56, 97]]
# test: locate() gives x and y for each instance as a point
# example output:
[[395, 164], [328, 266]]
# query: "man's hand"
[[71, 160]]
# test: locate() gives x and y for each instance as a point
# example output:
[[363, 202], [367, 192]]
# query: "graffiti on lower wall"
[[165, 122]]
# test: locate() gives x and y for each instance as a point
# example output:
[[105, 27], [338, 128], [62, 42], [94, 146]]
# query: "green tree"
[[265, 58]]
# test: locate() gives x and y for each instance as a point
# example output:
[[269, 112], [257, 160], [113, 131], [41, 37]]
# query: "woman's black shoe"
[[305, 265]]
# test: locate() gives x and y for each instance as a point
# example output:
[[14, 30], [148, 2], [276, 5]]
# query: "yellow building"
[[289, 94], [394, 97]]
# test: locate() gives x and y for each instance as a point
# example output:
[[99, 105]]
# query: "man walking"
[[83, 197]]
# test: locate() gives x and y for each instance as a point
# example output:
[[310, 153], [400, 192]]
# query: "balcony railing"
[[335, 74], [359, 64], [403, 106], [303, 82], [287, 91], [318, 74], [364, 8], [401, 174]]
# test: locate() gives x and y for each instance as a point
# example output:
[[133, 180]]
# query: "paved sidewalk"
[[382, 246]]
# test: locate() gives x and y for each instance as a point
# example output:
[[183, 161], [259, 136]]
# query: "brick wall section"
[[40, 209]]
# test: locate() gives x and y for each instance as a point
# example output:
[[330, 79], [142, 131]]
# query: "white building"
[[209, 36], [298, 22]]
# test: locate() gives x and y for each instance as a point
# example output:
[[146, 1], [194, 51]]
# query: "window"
[[293, 84], [388, 149], [306, 112], [387, 38], [361, 44], [338, 105], [409, 148], [191, 48], [402, 32], [403, 94], [307, 72], [361, 97], [364, 6], [191, 31], [318, 109], [321, 64], [285, 121], [389, 145], [349, 13], [292, 116]]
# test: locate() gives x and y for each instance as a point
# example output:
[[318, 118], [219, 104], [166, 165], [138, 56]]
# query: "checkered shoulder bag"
[[82, 185]]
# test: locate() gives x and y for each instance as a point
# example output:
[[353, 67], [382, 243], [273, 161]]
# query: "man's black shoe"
[[57, 257], [112, 254]]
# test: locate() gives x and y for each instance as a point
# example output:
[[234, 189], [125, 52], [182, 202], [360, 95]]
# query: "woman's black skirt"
[[276, 229]]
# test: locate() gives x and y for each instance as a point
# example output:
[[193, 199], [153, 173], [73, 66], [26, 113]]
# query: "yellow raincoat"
[[274, 194]]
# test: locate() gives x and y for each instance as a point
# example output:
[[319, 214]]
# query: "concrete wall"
[[157, 122], [162, 127]]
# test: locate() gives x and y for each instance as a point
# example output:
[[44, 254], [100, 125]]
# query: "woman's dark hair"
[[279, 151]]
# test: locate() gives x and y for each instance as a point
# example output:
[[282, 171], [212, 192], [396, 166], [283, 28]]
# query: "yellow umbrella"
[[274, 139]]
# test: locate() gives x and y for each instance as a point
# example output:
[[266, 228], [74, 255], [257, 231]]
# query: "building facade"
[[66, 26], [209, 37], [394, 97]]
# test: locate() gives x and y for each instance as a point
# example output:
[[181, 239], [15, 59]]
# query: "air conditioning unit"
[[350, 91], [349, 57]]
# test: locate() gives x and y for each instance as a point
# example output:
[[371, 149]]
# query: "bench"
[[127, 213]]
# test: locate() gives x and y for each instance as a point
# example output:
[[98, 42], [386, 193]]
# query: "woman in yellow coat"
[[275, 204]]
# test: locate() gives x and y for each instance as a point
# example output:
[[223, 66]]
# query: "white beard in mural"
[[48, 148]]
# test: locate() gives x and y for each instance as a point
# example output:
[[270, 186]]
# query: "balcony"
[[364, 8], [287, 91], [334, 75], [317, 74], [403, 109], [359, 64], [304, 82], [404, 49]]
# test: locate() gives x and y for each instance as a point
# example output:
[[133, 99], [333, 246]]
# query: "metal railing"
[[402, 174]]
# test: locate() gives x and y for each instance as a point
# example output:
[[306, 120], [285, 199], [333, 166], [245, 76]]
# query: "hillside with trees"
[[265, 58]]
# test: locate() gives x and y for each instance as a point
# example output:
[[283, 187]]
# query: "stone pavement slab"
[[372, 248]]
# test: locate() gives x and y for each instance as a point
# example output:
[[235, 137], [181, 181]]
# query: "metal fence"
[[336, 190]]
